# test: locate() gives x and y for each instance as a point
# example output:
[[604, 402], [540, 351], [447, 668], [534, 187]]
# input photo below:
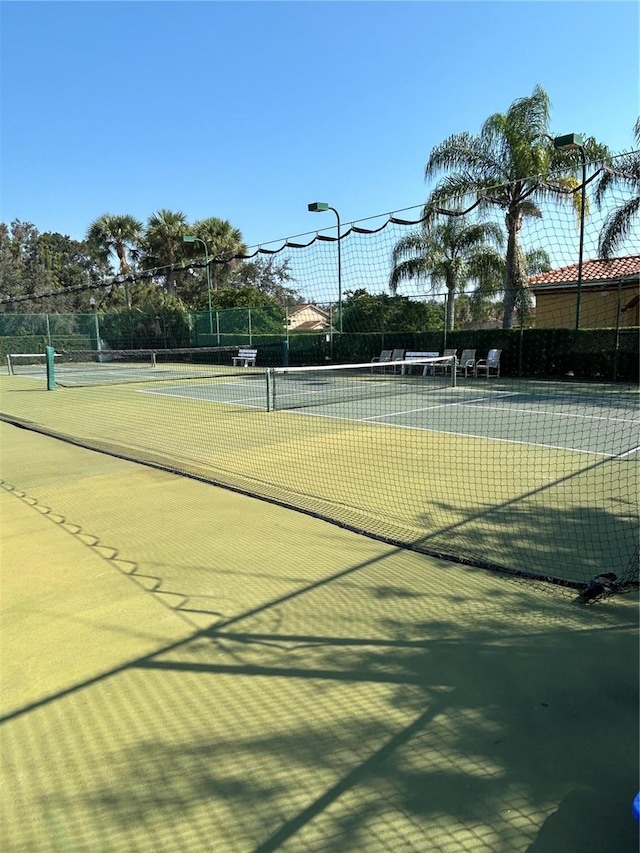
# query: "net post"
[[269, 375], [51, 378], [9, 365], [454, 370]]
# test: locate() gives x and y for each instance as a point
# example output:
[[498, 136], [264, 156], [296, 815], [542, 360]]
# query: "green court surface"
[[185, 668], [536, 478]]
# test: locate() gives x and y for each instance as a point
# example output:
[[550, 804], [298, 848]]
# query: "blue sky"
[[250, 110]]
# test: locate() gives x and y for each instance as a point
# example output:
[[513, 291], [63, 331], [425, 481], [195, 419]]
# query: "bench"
[[246, 357], [419, 356]]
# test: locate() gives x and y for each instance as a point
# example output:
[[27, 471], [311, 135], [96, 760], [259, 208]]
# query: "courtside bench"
[[418, 356], [246, 357]]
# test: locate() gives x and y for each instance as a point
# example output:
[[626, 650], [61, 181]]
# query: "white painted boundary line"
[[629, 452], [432, 408], [372, 422], [557, 414], [243, 402]]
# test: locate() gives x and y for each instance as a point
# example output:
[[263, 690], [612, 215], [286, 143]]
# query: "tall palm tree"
[[162, 235], [449, 252], [222, 239], [120, 235], [619, 222], [506, 166]]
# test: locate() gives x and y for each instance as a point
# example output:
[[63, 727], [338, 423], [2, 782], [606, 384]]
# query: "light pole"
[[567, 143], [190, 238], [320, 207]]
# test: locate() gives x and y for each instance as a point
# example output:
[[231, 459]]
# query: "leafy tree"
[[448, 252], [120, 235], [620, 221], [162, 244], [268, 276], [267, 314], [367, 312], [245, 296], [477, 309], [45, 273], [157, 321], [507, 166]]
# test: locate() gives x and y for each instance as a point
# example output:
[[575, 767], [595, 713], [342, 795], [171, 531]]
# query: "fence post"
[[444, 336], [617, 341], [520, 345]]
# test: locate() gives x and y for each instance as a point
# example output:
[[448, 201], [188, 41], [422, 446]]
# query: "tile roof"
[[592, 271]]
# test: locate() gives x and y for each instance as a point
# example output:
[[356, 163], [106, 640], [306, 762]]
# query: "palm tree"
[[223, 241], [506, 166], [450, 252], [619, 222], [120, 235], [163, 232]]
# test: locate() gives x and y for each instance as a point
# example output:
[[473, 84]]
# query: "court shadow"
[[588, 821]]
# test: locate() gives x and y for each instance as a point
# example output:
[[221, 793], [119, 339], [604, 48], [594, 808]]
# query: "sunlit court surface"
[[187, 667]]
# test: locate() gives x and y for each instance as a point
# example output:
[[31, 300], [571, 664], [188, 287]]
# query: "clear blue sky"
[[250, 110]]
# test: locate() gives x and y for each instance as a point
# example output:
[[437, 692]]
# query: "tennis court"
[[584, 420], [531, 477], [185, 668]]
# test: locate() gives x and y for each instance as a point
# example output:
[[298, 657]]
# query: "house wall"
[[307, 314], [598, 308]]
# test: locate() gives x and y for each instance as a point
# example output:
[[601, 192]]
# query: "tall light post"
[[320, 207], [190, 238], [567, 143]]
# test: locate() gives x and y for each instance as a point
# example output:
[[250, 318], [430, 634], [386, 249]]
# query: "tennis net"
[[303, 387], [114, 366]]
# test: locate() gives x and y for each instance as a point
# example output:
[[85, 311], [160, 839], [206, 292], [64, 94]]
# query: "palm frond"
[[617, 227]]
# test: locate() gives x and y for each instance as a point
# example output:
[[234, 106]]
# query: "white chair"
[[382, 359], [445, 368], [467, 363], [396, 355], [490, 365]]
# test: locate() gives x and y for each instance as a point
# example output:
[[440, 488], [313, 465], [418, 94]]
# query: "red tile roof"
[[592, 271]]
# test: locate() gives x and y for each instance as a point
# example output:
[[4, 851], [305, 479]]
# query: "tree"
[[269, 277], [120, 235], [367, 312], [448, 252], [45, 273], [507, 166], [619, 222], [223, 242], [162, 235]]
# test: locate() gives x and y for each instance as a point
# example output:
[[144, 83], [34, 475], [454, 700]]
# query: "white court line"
[[629, 452], [432, 408], [557, 414], [243, 402], [373, 422]]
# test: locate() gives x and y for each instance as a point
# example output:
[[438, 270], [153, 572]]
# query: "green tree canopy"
[[120, 235], [163, 246], [367, 312], [507, 166], [449, 253]]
